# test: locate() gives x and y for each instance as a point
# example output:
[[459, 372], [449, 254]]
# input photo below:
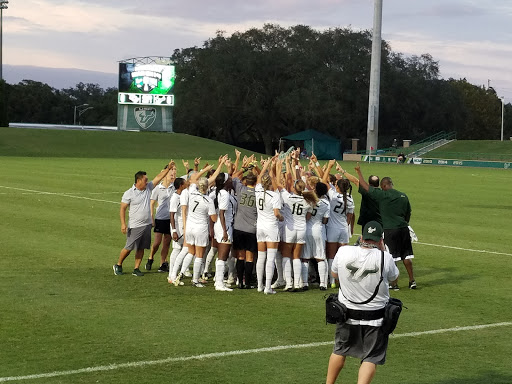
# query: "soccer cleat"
[[412, 284], [395, 287], [231, 280], [322, 288], [223, 288], [187, 274], [172, 282], [261, 288], [278, 284], [241, 286], [198, 285], [164, 267], [288, 288], [149, 264], [269, 292], [137, 272], [204, 276], [305, 288], [177, 281], [118, 269]]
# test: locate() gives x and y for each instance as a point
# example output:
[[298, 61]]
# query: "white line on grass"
[[136, 364], [464, 249], [60, 194]]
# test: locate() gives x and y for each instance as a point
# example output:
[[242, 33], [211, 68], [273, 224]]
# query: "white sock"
[[322, 271], [209, 259], [231, 268], [197, 269], [219, 271], [178, 262], [269, 267], [174, 254], [186, 262], [305, 272], [279, 266], [331, 278], [287, 271], [297, 273], [260, 267]]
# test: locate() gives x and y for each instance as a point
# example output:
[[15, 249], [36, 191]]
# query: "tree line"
[[259, 85]]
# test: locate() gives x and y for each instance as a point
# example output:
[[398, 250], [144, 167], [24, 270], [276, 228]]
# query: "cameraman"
[[358, 269]]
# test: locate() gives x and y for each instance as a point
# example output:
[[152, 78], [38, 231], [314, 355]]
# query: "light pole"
[[372, 133], [80, 111], [502, 115], [3, 5]]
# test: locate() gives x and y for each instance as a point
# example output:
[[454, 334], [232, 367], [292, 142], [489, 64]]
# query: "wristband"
[[317, 164], [174, 231], [296, 167]]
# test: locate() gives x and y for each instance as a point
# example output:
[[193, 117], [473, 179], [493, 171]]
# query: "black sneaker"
[[394, 287], [118, 269], [322, 288], [412, 284], [164, 267], [149, 264], [137, 272], [305, 288]]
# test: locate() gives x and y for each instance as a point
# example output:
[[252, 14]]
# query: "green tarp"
[[324, 146]]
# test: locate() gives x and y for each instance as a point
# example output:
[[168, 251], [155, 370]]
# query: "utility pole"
[[3, 5], [372, 135]]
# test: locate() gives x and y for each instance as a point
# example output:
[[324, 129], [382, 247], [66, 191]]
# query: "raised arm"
[[316, 166], [362, 183], [347, 175], [325, 177], [162, 173], [211, 179]]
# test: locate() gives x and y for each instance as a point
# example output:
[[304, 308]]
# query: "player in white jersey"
[[299, 203], [342, 210], [225, 204], [268, 204], [161, 197], [176, 220], [316, 236]]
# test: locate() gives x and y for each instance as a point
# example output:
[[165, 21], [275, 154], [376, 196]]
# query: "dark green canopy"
[[324, 146]]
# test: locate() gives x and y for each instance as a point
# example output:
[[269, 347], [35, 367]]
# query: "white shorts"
[[293, 236], [197, 236], [337, 235], [218, 233], [267, 233], [315, 244]]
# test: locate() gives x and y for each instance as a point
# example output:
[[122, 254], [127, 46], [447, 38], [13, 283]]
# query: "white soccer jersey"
[[359, 271], [162, 196], [298, 207], [321, 210], [338, 214], [266, 202], [227, 203], [175, 206], [200, 207]]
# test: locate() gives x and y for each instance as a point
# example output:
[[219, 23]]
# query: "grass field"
[[474, 150], [64, 312]]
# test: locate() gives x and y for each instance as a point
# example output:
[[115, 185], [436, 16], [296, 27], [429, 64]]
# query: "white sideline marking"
[[464, 249], [60, 194], [112, 367]]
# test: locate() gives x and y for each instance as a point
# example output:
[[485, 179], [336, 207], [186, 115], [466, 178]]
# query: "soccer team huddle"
[[273, 215]]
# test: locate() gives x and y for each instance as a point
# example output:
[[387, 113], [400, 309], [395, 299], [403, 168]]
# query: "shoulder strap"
[[376, 288]]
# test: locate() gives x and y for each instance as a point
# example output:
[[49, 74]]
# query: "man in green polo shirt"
[[395, 212]]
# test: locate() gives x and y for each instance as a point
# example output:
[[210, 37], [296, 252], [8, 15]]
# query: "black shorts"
[[399, 243], [364, 342], [244, 241], [163, 226]]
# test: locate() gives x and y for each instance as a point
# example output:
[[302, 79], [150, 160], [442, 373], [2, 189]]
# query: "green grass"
[[474, 150], [63, 309]]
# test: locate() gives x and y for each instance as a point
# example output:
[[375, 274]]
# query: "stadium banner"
[[448, 162], [144, 118]]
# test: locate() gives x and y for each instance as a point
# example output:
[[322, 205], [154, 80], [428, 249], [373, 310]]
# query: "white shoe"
[[172, 282], [198, 285], [269, 292], [187, 274], [204, 276], [223, 288], [231, 280], [288, 288], [278, 284], [261, 288], [178, 281]]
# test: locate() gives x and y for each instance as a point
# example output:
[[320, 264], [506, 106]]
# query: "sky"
[[470, 39]]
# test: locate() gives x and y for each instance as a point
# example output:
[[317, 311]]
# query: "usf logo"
[[145, 116]]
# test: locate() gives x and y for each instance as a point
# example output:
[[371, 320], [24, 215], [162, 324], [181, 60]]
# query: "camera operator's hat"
[[372, 231]]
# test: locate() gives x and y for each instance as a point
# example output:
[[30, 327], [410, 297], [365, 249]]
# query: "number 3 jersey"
[[246, 214]]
